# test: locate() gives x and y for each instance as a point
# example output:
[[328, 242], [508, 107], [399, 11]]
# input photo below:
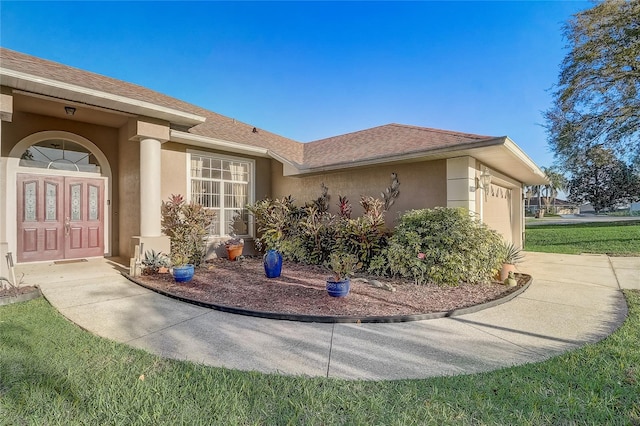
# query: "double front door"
[[59, 217]]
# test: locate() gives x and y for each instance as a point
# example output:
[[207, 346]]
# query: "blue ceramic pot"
[[338, 288], [272, 260], [184, 273]]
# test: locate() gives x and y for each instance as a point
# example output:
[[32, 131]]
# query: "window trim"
[[251, 184]]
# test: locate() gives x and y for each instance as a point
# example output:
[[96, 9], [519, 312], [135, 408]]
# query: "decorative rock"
[[376, 284]]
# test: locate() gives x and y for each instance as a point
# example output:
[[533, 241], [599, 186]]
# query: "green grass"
[[52, 372], [613, 238]]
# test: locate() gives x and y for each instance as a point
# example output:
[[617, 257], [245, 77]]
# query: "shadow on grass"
[[23, 359]]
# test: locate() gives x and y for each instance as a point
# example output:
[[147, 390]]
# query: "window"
[[223, 184], [60, 154]]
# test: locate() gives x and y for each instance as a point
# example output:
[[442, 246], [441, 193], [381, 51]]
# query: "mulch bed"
[[300, 290]]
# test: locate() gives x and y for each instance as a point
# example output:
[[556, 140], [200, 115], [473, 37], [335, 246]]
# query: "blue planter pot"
[[182, 274], [338, 288], [272, 260]]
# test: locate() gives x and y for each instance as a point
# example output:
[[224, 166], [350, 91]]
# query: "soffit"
[[54, 108], [65, 92]]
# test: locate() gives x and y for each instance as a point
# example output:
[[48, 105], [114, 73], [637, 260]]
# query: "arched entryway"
[[61, 192]]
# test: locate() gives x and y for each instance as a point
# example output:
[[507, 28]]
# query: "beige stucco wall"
[[128, 179], [422, 185]]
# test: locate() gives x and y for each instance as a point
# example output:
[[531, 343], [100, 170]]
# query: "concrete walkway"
[[573, 300]]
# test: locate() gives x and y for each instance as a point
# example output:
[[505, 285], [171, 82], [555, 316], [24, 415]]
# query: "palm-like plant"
[[557, 182]]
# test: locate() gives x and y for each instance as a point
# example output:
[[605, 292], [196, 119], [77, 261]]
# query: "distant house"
[[87, 160], [587, 209], [558, 206]]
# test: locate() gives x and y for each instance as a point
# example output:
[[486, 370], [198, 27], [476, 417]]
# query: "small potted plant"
[[342, 265], [155, 263], [187, 226], [234, 246], [272, 219], [511, 256]]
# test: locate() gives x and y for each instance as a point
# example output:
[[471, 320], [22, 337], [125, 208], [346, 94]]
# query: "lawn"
[[612, 238], [52, 372]]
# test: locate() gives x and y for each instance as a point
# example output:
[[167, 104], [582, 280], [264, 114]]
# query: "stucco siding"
[[174, 170], [422, 185], [129, 196]]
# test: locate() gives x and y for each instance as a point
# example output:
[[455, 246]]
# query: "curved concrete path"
[[573, 300]]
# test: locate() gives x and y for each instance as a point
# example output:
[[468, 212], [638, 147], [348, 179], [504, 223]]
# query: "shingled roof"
[[391, 142], [388, 141], [216, 125]]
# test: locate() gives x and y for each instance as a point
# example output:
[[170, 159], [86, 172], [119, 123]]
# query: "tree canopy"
[[597, 101], [603, 180]]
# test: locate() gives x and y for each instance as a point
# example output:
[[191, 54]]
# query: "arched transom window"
[[60, 154]]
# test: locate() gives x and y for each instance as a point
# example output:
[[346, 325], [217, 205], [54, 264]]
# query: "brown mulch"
[[300, 290], [15, 291]]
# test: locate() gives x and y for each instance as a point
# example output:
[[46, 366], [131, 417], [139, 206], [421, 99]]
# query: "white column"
[[150, 191]]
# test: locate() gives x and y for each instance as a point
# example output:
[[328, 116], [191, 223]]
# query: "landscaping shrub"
[[302, 234], [365, 236], [444, 246], [187, 226], [310, 234]]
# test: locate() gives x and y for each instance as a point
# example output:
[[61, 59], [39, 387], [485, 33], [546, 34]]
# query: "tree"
[[557, 182], [603, 180], [597, 101]]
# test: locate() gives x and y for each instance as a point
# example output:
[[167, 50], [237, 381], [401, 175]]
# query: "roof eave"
[[219, 144], [65, 91], [190, 139]]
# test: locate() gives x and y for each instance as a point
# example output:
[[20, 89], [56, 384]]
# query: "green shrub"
[[444, 246], [187, 226], [302, 234], [274, 221], [365, 236], [310, 234]]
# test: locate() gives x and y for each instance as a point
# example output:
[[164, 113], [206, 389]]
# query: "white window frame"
[[251, 186]]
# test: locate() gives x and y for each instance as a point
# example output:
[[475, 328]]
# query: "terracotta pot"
[[234, 251], [506, 268]]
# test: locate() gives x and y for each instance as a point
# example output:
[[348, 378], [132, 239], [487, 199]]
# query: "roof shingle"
[[381, 142]]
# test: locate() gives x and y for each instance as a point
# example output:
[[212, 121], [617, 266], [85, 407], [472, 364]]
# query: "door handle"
[[67, 227]]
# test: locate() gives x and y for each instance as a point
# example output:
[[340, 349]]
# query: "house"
[[558, 206], [86, 161]]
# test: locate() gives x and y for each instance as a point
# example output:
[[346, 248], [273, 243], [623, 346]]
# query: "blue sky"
[[310, 70]]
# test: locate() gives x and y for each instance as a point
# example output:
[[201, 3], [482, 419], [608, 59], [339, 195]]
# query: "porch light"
[[69, 110], [484, 182]]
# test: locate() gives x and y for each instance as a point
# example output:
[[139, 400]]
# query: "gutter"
[[213, 143]]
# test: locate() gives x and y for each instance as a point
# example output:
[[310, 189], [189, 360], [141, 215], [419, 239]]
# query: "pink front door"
[[59, 217]]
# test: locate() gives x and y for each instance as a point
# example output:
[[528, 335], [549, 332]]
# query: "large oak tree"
[[597, 98]]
